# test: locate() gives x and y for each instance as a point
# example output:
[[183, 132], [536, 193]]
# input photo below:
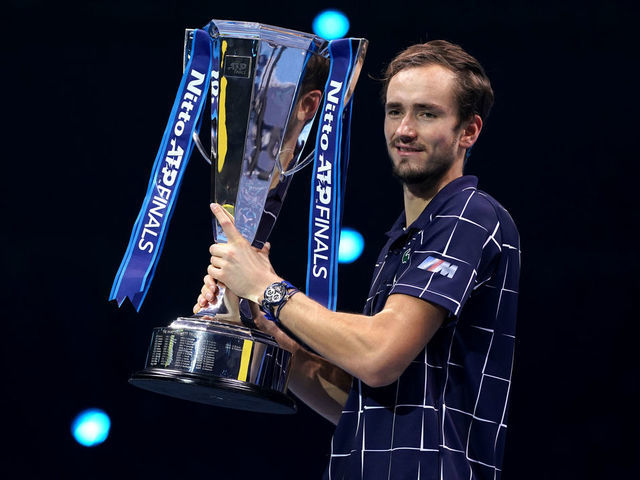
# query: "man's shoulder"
[[477, 206], [501, 213], [470, 204]]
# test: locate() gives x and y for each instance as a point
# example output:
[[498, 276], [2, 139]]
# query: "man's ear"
[[470, 132], [308, 105]]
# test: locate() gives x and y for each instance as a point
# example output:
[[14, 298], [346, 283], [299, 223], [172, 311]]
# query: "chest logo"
[[406, 255], [435, 265]]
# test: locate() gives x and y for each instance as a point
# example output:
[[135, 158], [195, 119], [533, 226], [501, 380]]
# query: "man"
[[427, 367]]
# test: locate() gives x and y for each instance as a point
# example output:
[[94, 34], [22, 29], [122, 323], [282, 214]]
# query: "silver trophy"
[[267, 85]]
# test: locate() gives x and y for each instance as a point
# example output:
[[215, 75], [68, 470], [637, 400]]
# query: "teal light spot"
[[91, 427], [351, 245], [331, 24]]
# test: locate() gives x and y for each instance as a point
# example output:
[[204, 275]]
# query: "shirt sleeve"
[[459, 240]]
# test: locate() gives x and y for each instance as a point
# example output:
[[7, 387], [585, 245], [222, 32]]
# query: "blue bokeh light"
[[331, 24], [351, 245], [91, 427]]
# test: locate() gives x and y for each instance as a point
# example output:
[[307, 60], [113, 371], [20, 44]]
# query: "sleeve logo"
[[435, 265]]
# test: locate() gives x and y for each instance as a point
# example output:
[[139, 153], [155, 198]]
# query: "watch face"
[[275, 293]]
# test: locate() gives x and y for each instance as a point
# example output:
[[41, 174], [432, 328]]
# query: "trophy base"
[[219, 392], [216, 363]]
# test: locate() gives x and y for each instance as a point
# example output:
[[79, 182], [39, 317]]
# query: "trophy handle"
[[196, 140], [303, 163], [188, 40], [361, 51]]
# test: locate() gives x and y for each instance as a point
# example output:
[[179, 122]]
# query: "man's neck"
[[417, 197]]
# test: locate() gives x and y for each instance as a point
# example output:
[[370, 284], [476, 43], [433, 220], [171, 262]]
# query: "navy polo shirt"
[[445, 417]]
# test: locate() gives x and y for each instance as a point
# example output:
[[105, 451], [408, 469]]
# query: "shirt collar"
[[455, 186]]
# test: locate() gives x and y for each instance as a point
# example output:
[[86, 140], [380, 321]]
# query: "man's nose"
[[406, 128]]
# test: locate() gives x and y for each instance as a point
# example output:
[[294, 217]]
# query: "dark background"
[[88, 89]]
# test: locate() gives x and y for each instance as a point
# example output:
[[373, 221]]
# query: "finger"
[[262, 251], [261, 321], [217, 262], [207, 293], [266, 248], [196, 308], [218, 249], [203, 300], [226, 223], [270, 328], [228, 214], [255, 310], [210, 282], [215, 273], [267, 326]]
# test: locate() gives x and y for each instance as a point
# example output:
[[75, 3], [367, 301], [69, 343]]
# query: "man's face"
[[421, 124]]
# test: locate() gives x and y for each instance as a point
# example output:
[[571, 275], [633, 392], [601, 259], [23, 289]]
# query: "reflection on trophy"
[[267, 84]]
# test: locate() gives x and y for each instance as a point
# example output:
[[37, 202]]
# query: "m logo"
[[436, 265]]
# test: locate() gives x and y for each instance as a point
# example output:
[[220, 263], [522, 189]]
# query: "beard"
[[424, 177]]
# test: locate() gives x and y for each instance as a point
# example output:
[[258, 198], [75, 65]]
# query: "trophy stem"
[[226, 309]]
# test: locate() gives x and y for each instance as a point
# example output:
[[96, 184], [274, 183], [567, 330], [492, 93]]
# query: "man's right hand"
[[209, 293], [210, 290]]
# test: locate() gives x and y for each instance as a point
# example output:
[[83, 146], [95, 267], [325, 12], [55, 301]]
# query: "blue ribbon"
[[149, 231], [327, 182]]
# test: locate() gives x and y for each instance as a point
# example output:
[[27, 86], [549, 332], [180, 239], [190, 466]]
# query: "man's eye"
[[427, 115], [393, 113]]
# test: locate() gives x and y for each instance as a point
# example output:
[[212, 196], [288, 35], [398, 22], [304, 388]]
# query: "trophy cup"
[[267, 84]]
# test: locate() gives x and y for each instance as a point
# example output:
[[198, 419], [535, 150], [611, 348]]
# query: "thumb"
[[226, 222], [266, 249]]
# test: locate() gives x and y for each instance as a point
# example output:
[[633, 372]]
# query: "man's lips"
[[407, 149]]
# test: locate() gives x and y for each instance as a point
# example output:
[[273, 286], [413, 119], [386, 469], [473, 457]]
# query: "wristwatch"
[[275, 296]]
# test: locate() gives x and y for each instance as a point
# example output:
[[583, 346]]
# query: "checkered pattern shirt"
[[445, 417]]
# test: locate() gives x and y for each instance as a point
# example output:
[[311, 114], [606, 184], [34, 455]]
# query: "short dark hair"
[[473, 93], [315, 73]]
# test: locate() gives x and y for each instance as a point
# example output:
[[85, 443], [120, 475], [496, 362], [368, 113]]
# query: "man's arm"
[[318, 383], [376, 349]]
